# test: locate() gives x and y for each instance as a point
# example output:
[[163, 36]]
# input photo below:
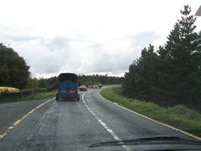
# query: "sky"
[[87, 36]]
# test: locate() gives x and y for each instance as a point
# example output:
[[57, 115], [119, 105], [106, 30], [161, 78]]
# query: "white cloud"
[[90, 36]]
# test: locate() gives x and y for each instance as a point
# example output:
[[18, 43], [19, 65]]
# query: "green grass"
[[35, 96], [178, 116]]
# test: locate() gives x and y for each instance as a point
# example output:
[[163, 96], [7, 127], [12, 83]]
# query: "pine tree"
[[142, 77], [173, 74], [181, 56]]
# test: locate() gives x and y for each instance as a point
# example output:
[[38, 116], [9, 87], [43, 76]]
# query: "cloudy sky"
[[86, 36]]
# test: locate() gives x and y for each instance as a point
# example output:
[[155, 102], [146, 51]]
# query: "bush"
[[38, 90], [27, 92], [10, 95], [24, 93]]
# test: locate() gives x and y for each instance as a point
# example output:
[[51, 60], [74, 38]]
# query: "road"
[[72, 125]]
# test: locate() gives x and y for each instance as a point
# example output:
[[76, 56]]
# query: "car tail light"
[[63, 91]]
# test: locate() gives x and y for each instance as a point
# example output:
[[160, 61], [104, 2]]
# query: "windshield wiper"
[[148, 141]]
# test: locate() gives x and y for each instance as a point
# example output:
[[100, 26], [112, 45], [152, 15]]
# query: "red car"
[[83, 88]]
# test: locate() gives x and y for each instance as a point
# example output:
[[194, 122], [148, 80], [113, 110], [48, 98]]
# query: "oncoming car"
[[68, 87]]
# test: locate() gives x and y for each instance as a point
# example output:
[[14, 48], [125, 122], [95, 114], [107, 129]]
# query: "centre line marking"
[[108, 129], [20, 120]]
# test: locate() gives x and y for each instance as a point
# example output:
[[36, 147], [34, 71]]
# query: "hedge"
[[20, 94]]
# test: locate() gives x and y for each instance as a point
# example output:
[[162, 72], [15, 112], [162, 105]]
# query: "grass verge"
[[35, 96], [178, 116]]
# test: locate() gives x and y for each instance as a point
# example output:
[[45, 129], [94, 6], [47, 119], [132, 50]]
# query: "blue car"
[[68, 88]]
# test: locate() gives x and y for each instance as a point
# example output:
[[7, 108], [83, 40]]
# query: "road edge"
[[146, 117]]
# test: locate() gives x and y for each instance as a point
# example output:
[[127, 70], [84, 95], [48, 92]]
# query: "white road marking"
[[109, 130], [146, 117]]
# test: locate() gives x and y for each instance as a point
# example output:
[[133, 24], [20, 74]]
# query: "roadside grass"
[[35, 96], [178, 116]]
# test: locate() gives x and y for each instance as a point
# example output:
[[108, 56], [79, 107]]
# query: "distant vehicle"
[[83, 88], [95, 86], [90, 86], [68, 87], [100, 86]]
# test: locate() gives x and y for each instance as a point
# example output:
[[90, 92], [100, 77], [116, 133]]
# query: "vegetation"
[[48, 83], [97, 79], [52, 83], [26, 95], [15, 73], [171, 75], [178, 116], [13, 70]]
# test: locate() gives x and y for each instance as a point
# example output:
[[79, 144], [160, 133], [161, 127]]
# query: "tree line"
[[52, 83], [172, 74], [14, 72], [98, 79]]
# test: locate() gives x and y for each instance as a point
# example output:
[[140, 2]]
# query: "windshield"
[[100, 75]]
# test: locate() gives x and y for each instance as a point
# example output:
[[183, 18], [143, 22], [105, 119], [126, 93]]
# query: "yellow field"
[[8, 89]]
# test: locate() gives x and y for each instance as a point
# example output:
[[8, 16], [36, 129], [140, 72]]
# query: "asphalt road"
[[73, 125]]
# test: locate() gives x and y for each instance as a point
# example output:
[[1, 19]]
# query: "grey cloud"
[[97, 46], [54, 55], [9, 34], [21, 38], [143, 39], [116, 63], [57, 43], [43, 55], [109, 63], [46, 65]]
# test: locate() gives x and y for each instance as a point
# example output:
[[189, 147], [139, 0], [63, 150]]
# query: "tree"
[[97, 79], [182, 58], [172, 75], [141, 79], [13, 69]]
